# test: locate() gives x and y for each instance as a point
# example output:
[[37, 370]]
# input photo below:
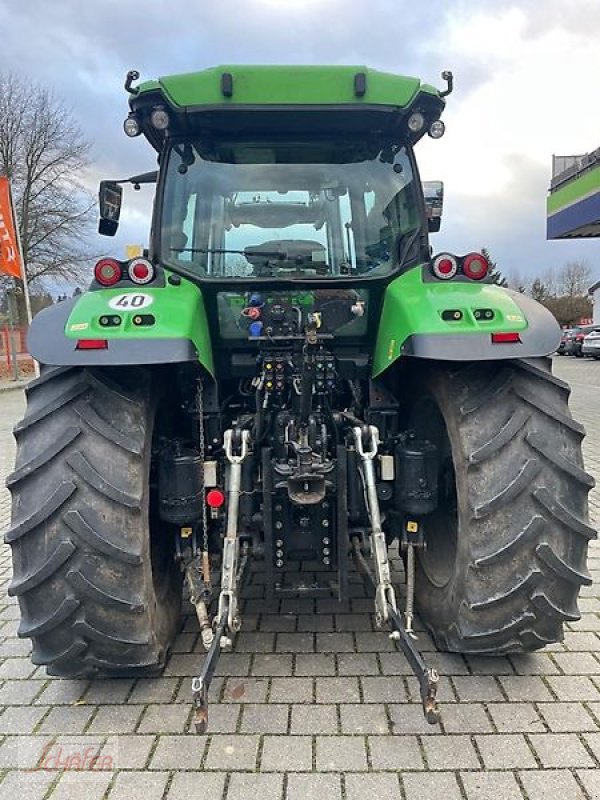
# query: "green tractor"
[[291, 374]]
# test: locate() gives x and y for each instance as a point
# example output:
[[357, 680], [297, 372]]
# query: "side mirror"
[[110, 196], [433, 192]]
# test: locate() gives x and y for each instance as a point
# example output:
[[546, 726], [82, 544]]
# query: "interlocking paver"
[[363, 718], [75, 785], [264, 718], [491, 786], [67, 719], [267, 665], [377, 787], [21, 719], [318, 664], [178, 752], [560, 750], [26, 785], [291, 690], [287, 754], [505, 751], [450, 752], [336, 682], [460, 717], [188, 785], [139, 786], [431, 786], [590, 778], [244, 786], [313, 719], [337, 690], [116, 719], [573, 687], [387, 755], [164, 719], [314, 787], [515, 717], [567, 717], [551, 783], [232, 752], [127, 751], [341, 754]]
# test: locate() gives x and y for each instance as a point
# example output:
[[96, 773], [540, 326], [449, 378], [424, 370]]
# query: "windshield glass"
[[287, 210]]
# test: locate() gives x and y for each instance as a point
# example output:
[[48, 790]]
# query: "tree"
[[43, 151], [539, 290], [574, 279], [516, 281], [495, 274]]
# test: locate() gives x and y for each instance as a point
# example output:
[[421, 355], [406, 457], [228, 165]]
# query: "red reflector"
[[92, 344], [140, 271], [505, 338], [445, 266], [215, 498]]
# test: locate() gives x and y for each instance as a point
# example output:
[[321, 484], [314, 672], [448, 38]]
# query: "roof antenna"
[[449, 78]]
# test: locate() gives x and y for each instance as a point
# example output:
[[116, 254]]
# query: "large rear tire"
[[97, 585], [507, 548]]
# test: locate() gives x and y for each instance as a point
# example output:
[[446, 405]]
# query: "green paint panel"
[[284, 85], [412, 306], [574, 190], [178, 311]]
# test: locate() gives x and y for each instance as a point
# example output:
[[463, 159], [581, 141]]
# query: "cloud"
[[525, 76]]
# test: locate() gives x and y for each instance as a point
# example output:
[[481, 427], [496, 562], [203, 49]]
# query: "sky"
[[526, 87]]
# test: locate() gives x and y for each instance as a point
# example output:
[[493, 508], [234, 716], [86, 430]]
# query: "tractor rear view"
[[290, 375]]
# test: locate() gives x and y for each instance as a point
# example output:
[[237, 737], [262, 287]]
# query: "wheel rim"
[[438, 559]]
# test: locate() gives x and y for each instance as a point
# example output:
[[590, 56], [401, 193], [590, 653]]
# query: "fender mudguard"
[[454, 320], [161, 325]]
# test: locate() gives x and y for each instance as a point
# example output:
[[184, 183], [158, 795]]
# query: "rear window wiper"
[[266, 253]]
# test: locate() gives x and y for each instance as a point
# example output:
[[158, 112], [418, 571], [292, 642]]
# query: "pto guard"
[[412, 322], [175, 328]]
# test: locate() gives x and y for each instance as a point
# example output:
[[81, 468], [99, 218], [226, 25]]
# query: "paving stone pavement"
[[312, 706]]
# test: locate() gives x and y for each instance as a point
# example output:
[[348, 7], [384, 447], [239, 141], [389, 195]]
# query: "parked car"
[[564, 334], [574, 341], [591, 343]]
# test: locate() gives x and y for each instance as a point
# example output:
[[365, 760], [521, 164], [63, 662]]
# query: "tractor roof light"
[[475, 266], [132, 126], [416, 122], [140, 270], [159, 118], [437, 129], [107, 272], [444, 266]]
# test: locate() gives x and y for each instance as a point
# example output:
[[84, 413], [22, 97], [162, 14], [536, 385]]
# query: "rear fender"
[[413, 324], [161, 325]]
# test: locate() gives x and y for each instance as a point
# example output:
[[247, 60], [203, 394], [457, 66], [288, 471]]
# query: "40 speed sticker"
[[131, 301]]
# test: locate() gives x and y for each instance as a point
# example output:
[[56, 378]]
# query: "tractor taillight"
[[140, 270], [475, 266], [444, 266], [107, 272], [506, 338]]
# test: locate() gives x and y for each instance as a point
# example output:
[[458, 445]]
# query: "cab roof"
[[227, 96]]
